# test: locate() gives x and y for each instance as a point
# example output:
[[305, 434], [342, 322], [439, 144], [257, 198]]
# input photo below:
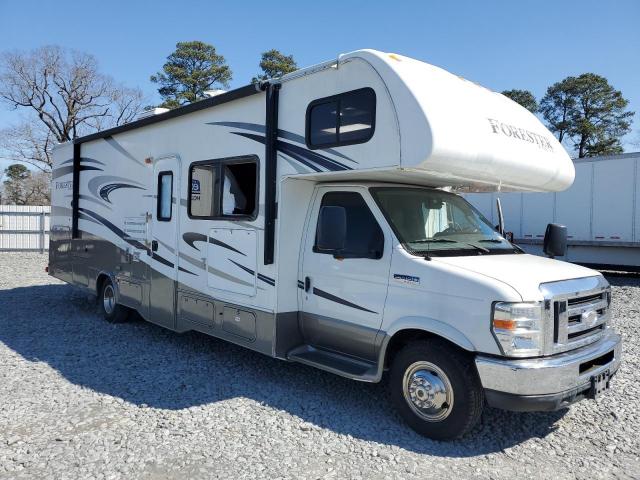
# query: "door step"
[[333, 362]]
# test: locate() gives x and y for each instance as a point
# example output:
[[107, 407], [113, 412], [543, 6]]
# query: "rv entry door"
[[165, 209]]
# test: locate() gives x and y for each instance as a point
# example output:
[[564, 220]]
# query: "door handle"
[[154, 245], [307, 284]]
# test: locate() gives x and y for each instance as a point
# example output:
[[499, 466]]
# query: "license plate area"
[[599, 383]]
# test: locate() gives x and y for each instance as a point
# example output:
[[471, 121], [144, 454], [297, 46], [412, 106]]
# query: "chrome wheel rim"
[[109, 299], [428, 391]]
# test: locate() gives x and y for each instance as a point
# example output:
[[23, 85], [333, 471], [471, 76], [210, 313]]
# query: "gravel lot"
[[80, 398]]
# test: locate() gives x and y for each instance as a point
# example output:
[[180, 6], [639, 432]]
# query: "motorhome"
[[311, 218]]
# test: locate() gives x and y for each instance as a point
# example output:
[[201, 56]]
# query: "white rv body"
[[261, 278]]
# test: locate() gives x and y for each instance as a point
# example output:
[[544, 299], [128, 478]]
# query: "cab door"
[[165, 211], [343, 292]]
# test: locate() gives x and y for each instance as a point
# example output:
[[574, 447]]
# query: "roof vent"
[[151, 112], [214, 93]]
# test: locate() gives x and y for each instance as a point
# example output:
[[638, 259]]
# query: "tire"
[[112, 311], [436, 389]]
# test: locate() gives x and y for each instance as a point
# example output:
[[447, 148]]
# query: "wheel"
[[112, 311], [436, 389]]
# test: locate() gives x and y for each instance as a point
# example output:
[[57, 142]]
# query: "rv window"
[[344, 119], [324, 125], [239, 189], [224, 188], [203, 201], [364, 236], [165, 187]]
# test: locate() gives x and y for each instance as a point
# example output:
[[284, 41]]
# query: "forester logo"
[[64, 185], [501, 128]]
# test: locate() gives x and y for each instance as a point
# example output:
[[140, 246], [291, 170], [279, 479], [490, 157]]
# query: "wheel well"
[[103, 277], [404, 337]]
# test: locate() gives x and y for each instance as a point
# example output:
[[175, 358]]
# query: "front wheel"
[[436, 389], [112, 311]]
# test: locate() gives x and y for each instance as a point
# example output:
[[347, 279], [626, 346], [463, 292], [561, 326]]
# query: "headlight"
[[518, 328]]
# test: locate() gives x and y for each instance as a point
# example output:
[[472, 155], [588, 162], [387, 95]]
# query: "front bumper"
[[547, 383]]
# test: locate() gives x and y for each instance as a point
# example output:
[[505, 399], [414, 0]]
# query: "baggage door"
[[165, 209]]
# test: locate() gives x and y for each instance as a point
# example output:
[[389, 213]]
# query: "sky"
[[499, 44]]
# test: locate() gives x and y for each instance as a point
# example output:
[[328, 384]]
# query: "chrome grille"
[[578, 310]]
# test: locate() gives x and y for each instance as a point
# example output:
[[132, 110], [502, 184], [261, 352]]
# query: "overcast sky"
[[499, 44]]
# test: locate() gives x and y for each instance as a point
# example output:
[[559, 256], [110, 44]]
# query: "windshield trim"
[[445, 252]]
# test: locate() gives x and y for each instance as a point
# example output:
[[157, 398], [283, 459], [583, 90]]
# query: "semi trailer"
[[601, 211], [310, 218]]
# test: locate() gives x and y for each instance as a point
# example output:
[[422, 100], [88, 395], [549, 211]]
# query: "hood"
[[523, 272]]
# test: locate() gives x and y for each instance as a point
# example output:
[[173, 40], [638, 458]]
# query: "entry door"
[[165, 209], [343, 293]]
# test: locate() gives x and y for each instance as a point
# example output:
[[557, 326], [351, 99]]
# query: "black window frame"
[[345, 254], [159, 217], [219, 163], [338, 99]]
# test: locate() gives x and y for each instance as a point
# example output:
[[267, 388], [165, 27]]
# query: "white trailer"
[[307, 218], [601, 211]]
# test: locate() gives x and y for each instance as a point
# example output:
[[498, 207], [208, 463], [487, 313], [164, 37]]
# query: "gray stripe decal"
[[201, 265], [106, 190], [95, 183], [112, 141], [91, 200], [255, 127], [191, 237], [261, 277], [341, 301], [61, 171], [83, 159]]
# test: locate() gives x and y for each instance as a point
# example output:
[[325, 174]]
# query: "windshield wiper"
[[449, 240], [434, 240], [490, 240]]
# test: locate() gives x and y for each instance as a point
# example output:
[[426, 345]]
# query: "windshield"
[[433, 222]]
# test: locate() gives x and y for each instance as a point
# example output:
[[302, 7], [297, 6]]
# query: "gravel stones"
[[81, 398]]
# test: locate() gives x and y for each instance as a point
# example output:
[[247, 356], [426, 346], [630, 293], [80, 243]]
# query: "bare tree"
[[29, 142], [37, 189], [64, 96]]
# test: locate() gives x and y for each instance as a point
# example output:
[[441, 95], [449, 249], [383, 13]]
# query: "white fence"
[[24, 228]]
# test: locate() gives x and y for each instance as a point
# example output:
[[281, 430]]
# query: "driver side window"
[[364, 237]]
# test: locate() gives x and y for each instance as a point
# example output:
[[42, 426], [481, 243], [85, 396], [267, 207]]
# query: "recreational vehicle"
[[311, 218]]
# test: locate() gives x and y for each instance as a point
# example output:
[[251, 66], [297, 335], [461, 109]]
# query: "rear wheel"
[[436, 389], [111, 310]]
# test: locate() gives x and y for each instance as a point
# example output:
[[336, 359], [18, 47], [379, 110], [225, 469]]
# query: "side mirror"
[[332, 229], [555, 240]]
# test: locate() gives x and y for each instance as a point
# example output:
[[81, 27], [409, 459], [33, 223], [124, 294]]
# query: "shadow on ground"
[[144, 364]]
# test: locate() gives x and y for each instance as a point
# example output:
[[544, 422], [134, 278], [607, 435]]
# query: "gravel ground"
[[80, 398]]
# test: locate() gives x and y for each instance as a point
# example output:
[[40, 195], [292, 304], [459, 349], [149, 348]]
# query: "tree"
[[523, 97], [275, 64], [63, 95], [37, 189], [588, 111], [190, 70], [14, 185], [556, 106]]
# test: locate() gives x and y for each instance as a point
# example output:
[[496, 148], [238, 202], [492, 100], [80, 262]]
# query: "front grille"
[[579, 320]]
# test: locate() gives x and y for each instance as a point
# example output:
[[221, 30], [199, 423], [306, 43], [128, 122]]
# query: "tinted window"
[[344, 119], [223, 188], [165, 187], [364, 236], [323, 118]]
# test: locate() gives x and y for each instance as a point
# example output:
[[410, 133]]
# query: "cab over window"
[[364, 237], [344, 119]]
